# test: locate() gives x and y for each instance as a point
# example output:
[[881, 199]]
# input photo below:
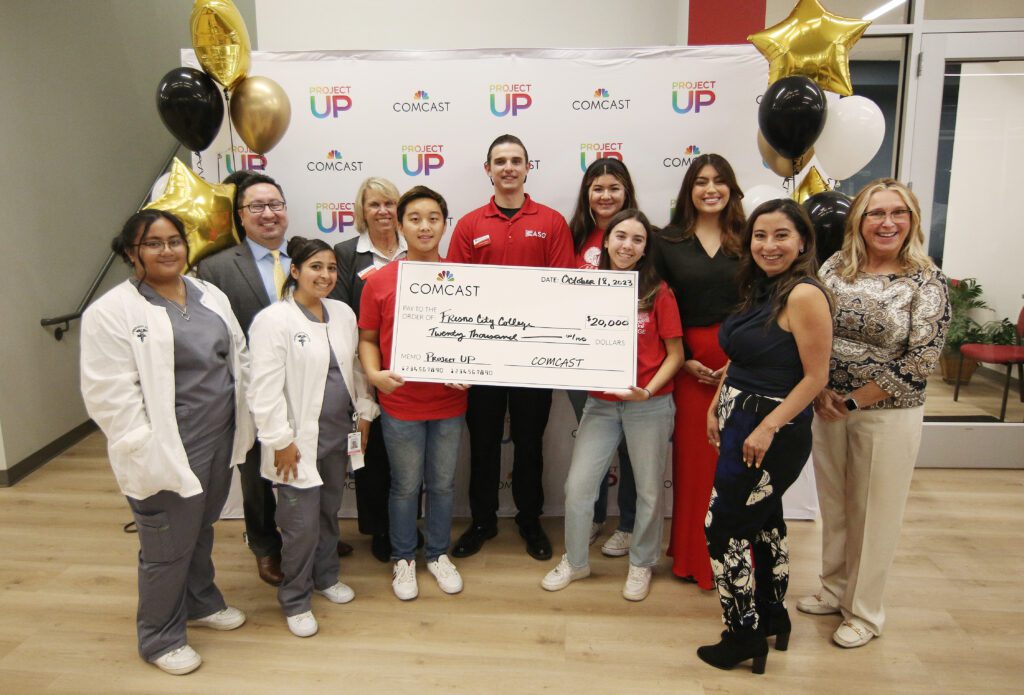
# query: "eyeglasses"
[[897, 215], [257, 208], [156, 246]]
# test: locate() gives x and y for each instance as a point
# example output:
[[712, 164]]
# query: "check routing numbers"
[[514, 326]]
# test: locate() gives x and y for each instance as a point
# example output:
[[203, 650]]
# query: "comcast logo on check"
[[445, 276]]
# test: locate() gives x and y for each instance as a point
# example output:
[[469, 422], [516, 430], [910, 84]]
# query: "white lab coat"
[[289, 373], [127, 377]]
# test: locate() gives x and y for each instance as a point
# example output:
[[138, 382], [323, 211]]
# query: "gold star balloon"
[[812, 184], [812, 42], [204, 208]]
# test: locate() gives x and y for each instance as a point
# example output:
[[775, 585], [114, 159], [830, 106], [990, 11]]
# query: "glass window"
[[777, 10], [958, 9]]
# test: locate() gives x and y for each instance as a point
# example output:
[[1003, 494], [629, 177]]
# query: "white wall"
[[984, 232], [309, 25]]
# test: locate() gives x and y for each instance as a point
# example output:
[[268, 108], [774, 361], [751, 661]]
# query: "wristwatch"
[[850, 404]]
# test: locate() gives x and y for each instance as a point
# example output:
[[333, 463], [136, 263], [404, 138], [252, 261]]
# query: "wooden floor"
[[982, 397], [67, 602]]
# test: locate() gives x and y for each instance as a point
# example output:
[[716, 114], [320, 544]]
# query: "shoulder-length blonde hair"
[[854, 253], [380, 185]]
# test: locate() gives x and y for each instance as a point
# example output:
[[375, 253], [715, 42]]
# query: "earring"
[[801, 249]]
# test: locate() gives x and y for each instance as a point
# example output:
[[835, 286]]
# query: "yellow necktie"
[[278, 273]]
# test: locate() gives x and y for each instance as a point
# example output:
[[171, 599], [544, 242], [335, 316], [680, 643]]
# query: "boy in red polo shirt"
[[422, 422], [512, 229]]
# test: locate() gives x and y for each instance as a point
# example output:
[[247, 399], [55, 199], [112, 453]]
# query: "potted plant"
[[964, 297]]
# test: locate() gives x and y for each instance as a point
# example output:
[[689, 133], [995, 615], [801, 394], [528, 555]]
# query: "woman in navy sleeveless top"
[[778, 344]]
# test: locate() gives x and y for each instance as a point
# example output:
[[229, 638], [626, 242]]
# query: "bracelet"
[[649, 396]]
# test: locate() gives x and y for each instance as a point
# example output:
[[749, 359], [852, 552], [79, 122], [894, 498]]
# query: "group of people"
[[740, 341]]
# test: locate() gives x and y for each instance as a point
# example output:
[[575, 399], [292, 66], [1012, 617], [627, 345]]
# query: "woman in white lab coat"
[[306, 382], [164, 369]]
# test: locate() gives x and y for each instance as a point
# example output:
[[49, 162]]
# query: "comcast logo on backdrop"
[[600, 101], [599, 150], [335, 162], [421, 102], [675, 161], [692, 96], [330, 101], [510, 99]]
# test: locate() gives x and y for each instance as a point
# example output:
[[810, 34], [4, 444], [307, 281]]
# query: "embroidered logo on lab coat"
[[140, 332], [302, 339]]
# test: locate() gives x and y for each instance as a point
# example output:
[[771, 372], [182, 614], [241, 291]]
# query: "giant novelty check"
[[513, 326]]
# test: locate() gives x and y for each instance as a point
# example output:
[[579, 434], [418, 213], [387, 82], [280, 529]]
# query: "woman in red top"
[[697, 254], [606, 190], [644, 414]]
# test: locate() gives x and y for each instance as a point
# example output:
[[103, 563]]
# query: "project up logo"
[[422, 159], [691, 97], [335, 217], [243, 159], [684, 161], [421, 103], [510, 99], [599, 150], [330, 101]]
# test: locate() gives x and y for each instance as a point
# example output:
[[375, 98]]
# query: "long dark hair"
[[301, 250], [683, 224], [647, 276], [583, 222], [137, 227], [750, 275]]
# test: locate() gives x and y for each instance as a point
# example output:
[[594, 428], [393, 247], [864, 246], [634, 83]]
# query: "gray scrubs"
[[308, 517], [176, 574]]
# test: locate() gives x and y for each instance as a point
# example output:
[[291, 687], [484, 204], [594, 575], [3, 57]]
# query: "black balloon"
[[828, 211], [190, 105], [792, 115]]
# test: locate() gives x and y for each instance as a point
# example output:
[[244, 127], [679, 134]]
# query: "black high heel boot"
[[736, 647], [776, 624]]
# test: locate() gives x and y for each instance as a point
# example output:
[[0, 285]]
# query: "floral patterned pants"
[[744, 527]]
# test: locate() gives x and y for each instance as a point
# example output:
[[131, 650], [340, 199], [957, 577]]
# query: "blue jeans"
[[647, 426], [421, 451], [627, 486]]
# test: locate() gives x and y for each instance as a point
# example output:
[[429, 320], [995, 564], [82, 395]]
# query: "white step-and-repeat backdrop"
[[428, 117]]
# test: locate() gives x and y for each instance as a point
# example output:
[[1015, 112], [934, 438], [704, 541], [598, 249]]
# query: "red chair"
[[997, 354]]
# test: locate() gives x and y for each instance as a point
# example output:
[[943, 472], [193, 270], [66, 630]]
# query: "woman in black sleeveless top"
[[778, 344]]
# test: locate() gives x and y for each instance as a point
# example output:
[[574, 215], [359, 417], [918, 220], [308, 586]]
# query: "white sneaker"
[[638, 583], [617, 544], [404, 582], [339, 593], [595, 531], [180, 661], [564, 574], [303, 624], [448, 578], [225, 619]]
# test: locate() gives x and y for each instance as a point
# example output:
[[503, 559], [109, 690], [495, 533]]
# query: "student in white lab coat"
[[164, 370], [306, 382]]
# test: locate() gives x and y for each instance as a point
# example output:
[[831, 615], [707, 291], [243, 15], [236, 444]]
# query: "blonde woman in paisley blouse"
[[890, 323]]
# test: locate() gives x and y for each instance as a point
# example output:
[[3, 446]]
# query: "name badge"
[[367, 272], [482, 241]]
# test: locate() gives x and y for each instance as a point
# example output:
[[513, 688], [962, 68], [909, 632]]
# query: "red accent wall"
[[715, 22]]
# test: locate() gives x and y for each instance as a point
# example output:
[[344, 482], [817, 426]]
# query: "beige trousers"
[[863, 466]]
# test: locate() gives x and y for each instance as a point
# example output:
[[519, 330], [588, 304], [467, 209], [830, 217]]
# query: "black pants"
[[372, 484], [745, 515], [528, 411], [259, 507]]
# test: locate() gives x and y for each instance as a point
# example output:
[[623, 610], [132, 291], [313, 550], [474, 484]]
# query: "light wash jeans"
[[647, 426], [421, 451]]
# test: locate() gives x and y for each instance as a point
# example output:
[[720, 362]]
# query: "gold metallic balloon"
[[781, 165], [220, 40], [204, 208], [812, 42], [260, 112], [812, 184]]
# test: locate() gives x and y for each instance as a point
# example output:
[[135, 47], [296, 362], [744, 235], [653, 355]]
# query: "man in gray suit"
[[246, 273]]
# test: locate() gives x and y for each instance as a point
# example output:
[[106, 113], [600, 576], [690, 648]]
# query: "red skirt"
[[693, 460]]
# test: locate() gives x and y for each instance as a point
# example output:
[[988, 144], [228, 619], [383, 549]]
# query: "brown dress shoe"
[[344, 549], [269, 569]]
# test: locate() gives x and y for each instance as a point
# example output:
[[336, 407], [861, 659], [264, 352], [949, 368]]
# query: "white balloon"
[[755, 195], [852, 135]]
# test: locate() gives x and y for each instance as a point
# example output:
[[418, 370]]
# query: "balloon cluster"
[[189, 102], [808, 54], [191, 107]]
